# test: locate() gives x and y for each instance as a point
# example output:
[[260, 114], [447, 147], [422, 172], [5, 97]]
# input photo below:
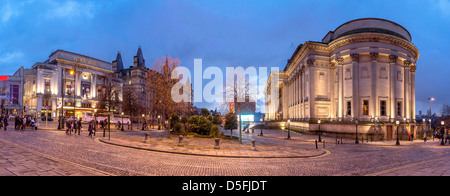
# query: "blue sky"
[[221, 32]]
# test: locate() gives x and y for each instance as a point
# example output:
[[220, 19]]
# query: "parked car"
[[12, 116], [44, 118]]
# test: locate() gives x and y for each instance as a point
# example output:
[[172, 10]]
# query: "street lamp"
[[398, 139], [261, 120], [143, 119], [122, 122], [356, 140], [289, 131], [442, 132], [320, 138], [159, 122]]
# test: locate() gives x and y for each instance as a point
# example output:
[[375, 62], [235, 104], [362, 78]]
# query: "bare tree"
[[110, 94], [130, 103], [159, 86]]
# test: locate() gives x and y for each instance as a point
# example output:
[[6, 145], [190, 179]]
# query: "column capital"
[[373, 56], [406, 63], [413, 68], [310, 62], [393, 58], [332, 65], [340, 60], [355, 57]]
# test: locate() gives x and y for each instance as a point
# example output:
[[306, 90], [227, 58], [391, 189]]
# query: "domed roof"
[[371, 25]]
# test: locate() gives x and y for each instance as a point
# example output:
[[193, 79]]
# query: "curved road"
[[82, 155]]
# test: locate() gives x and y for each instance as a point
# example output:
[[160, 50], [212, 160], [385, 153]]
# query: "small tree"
[[216, 119], [231, 122], [200, 125]]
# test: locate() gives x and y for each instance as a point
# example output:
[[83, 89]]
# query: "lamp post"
[[159, 122], [289, 131], [320, 138], [356, 139], [261, 120], [442, 132], [143, 119], [398, 139], [431, 99], [122, 122]]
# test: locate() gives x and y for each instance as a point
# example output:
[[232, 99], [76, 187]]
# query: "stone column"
[[406, 90], [373, 93], [332, 82], [355, 86], [312, 95], [340, 62], [413, 92], [392, 86]]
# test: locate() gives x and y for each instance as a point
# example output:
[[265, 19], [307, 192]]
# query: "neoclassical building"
[[67, 84], [363, 70]]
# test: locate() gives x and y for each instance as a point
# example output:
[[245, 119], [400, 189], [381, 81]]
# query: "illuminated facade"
[[364, 69], [11, 93], [69, 80]]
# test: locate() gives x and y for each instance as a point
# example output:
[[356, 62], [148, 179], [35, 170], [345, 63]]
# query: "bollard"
[[180, 140], [316, 145], [324, 146], [146, 137], [342, 142], [217, 146], [253, 145]]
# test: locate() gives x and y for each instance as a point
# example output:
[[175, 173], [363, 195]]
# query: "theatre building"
[[68, 83], [362, 72]]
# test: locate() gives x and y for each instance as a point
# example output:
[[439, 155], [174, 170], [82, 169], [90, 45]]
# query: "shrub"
[[177, 127], [214, 131], [200, 125]]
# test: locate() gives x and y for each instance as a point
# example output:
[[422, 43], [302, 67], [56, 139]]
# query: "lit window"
[[365, 107]]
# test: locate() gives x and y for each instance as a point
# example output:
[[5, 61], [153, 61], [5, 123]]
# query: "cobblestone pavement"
[[51, 152]]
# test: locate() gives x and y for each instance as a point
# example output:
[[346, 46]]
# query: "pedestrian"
[[68, 127], [424, 136], [5, 123], [24, 123], [75, 127], [79, 126], [91, 129]]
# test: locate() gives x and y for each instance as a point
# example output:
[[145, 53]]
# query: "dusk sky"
[[222, 33]]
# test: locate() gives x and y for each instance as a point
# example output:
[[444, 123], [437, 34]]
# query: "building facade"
[[363, 70], [11, 93], [67, 84]]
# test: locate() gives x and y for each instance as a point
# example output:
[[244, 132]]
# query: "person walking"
[[79, 126], [91, 129]]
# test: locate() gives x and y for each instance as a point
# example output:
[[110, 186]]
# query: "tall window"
[[86, 90], [382, 108], [399, 108], [365, 107], [47, 86], [349, 108], [14, 98]]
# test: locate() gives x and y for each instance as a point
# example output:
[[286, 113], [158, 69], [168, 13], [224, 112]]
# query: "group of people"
[[20, 122], [76, 126]]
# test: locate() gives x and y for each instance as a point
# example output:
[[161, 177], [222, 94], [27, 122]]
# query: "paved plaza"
[[51, 152]]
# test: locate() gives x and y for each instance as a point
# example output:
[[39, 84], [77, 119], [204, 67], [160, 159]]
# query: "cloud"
[[7, 11], [70, 9], [11, 57]]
